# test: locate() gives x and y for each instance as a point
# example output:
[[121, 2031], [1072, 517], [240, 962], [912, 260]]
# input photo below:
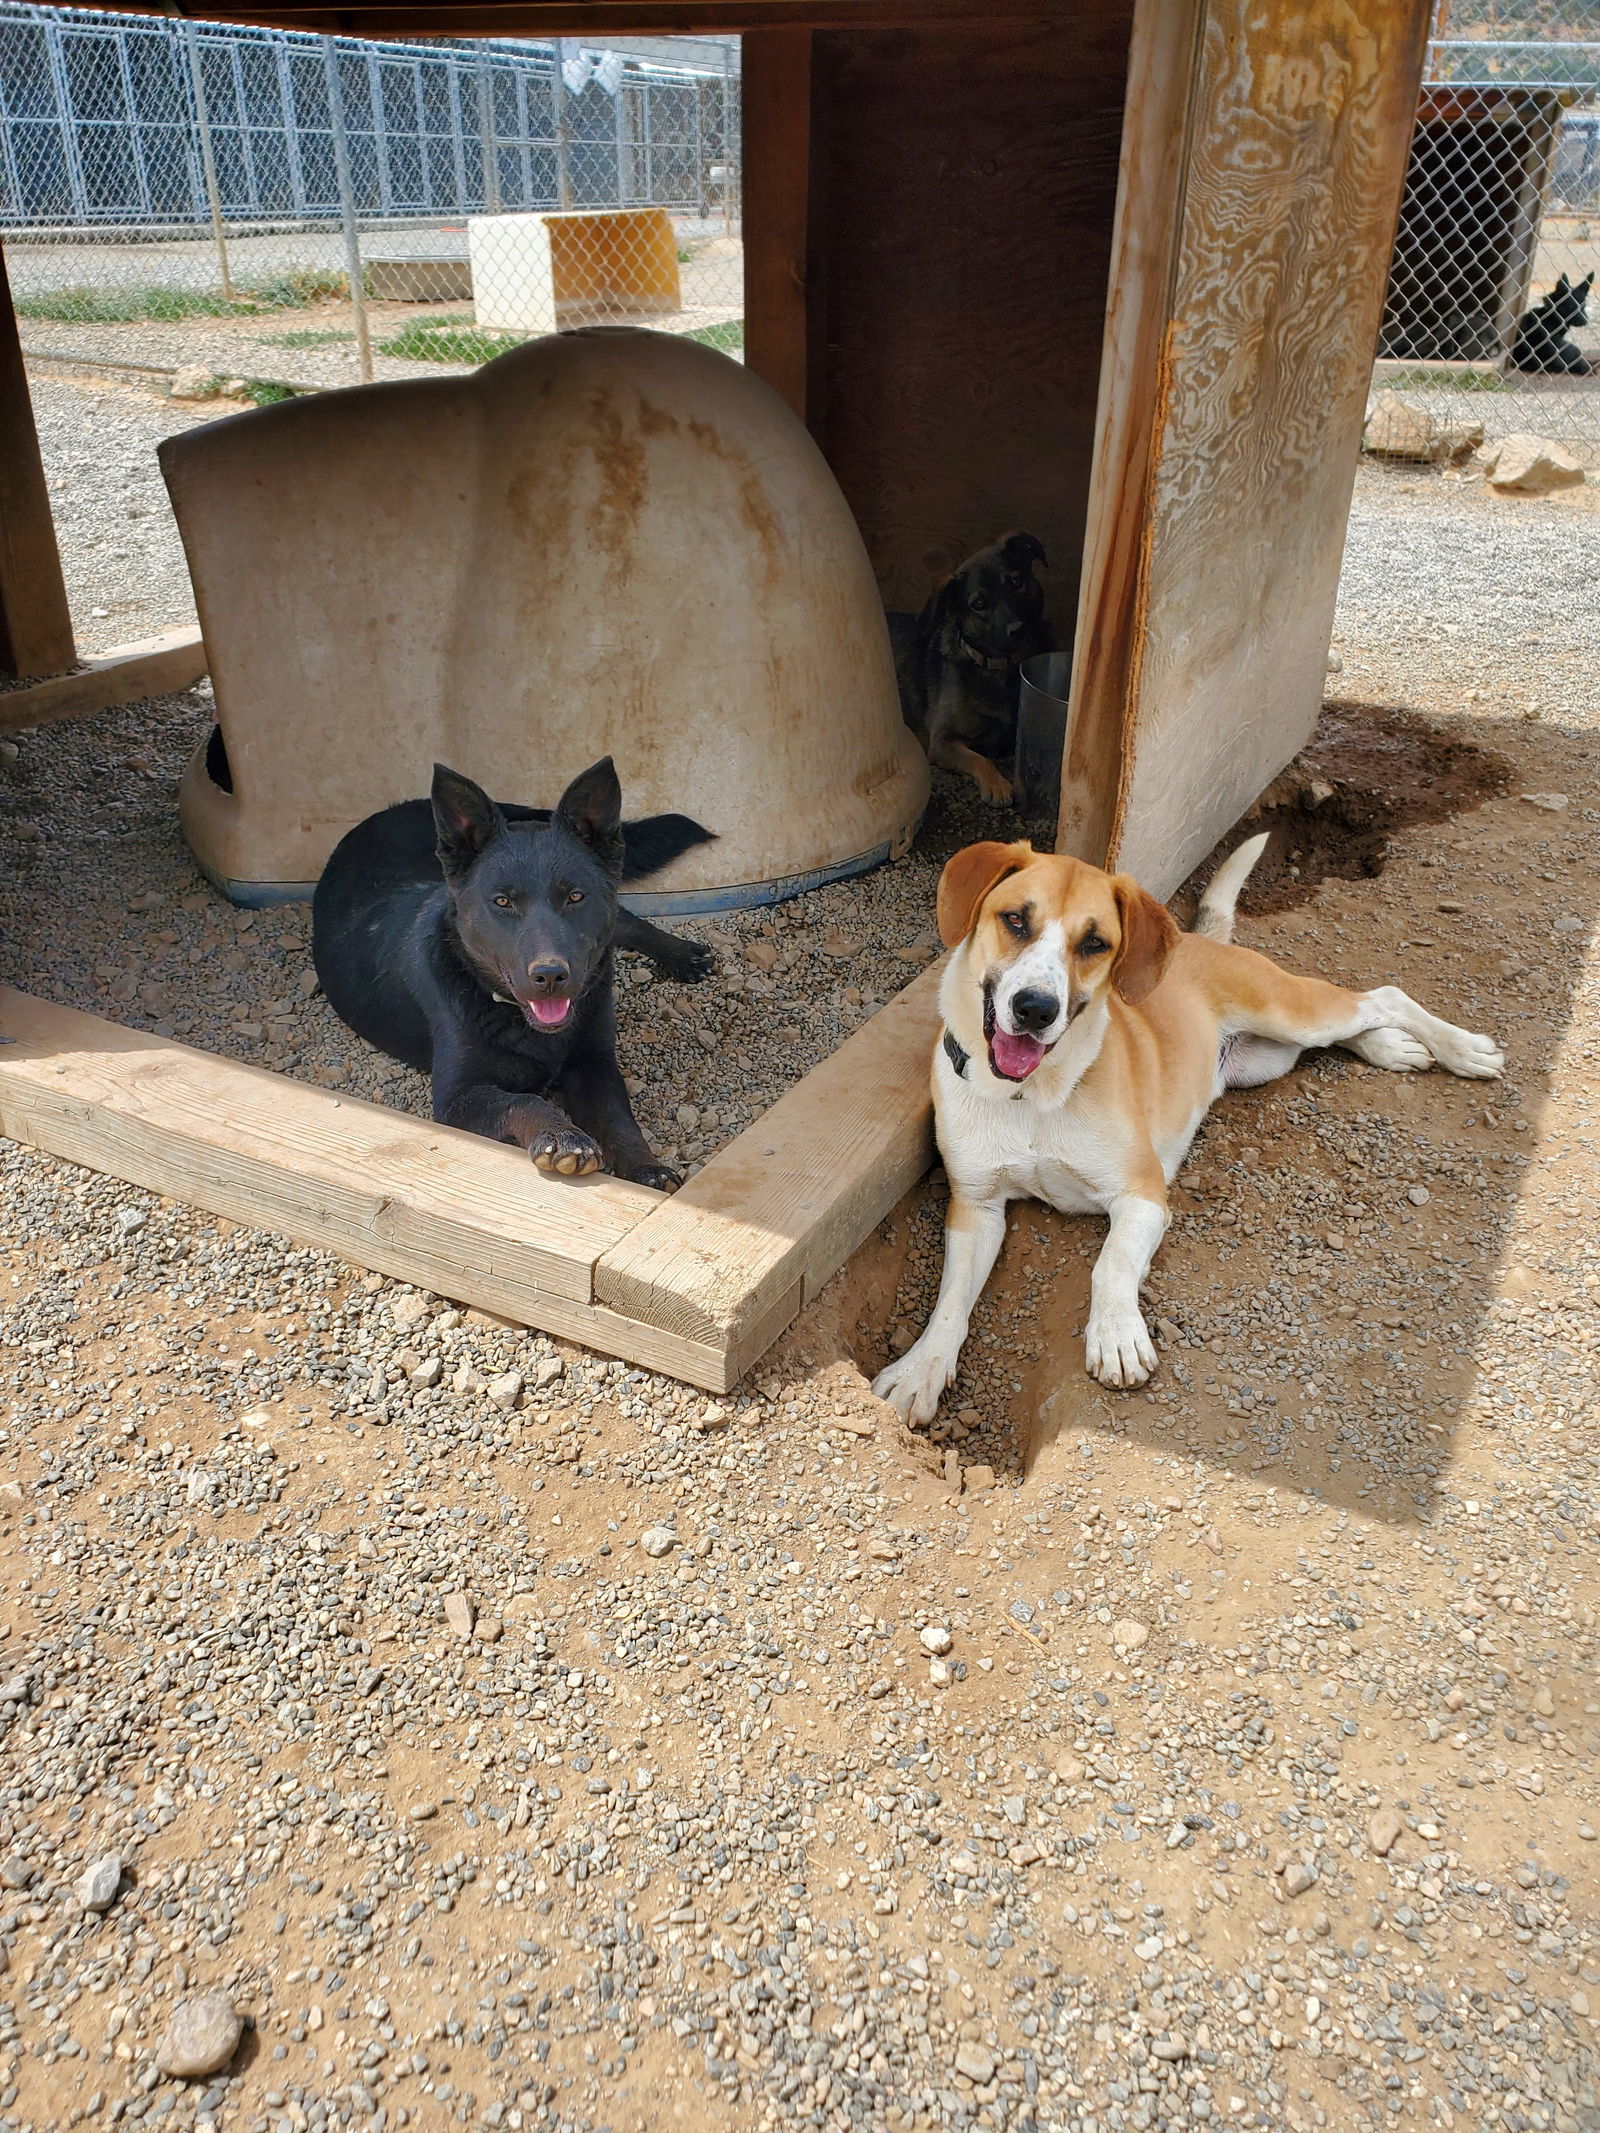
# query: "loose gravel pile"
[[411, 1721]]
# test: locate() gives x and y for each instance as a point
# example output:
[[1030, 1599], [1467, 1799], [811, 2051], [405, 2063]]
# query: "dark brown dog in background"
[[957, 662]]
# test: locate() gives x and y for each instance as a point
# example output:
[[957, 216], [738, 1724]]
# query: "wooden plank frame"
[[154, 666], [697, 1285]]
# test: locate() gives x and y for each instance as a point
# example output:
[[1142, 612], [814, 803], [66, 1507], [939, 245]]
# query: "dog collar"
[[957, 1057], [993, 662]]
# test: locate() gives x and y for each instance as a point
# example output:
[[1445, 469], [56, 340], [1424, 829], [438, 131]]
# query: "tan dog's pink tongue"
[[1014, 1057]]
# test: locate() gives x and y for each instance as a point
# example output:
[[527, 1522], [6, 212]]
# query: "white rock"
[[1398, 428], [193, 382], [1418, 1195], [1530, 466], [657, 1540], [459, 1613], [548, 1369], [941, 1673], [1553, 803], [1384, 1831], [1297, 1878], [937, 1639], [505, 1392], [201, 2038], [96, 1887], [406, 1313], [1129, 1635], [975, 2062]]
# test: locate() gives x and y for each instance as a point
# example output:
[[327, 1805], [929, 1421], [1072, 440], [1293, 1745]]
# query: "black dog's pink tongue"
[[549, 1013], [1015, 1057]]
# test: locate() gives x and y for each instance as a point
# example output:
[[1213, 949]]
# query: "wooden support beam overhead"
[[35, 621], [154, 666], [617, 18]]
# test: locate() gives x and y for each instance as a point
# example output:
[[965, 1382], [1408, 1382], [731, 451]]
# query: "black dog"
[[497, 980], [1542, 343], [957, 661]]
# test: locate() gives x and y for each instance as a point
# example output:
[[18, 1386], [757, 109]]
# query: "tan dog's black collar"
[[992, 662], [957, 1057]]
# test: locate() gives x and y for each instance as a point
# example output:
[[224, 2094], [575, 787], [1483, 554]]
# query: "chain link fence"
[[1491, 316], [281, 211]]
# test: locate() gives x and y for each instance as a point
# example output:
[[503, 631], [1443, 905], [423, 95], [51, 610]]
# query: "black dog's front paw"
[[565, 1152], [689, 962], [660, 1177]]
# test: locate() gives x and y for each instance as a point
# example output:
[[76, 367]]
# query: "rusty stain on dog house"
[[1110, 270]]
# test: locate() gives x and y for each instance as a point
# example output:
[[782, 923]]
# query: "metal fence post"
[[489, 146], [208, 161], [347, 209], [730, 160], [558, 109]]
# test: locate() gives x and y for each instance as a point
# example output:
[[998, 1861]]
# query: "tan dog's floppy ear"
[[967, 880], [1149, 935]]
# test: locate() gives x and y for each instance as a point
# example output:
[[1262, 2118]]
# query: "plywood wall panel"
[[1278, 216], [961, 239]]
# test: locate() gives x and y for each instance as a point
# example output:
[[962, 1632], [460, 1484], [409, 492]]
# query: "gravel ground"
[[510, 1738]]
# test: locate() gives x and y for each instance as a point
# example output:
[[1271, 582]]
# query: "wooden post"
[[1263, 159], [35, 621], [775, 129]]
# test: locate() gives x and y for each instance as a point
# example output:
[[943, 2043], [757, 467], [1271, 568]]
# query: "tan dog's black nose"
[[1033, 1010]]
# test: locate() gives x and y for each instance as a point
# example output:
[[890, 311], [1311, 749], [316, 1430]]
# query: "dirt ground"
[[570, 1753]]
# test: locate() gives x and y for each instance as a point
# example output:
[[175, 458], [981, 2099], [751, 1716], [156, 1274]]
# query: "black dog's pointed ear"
[[591, 807], [1560, 288], [1023, 550], [465, 819], [1583, 287]]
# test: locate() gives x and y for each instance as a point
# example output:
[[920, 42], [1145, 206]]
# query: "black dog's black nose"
[[549, 975], [1014, 630], [1032, 1010]]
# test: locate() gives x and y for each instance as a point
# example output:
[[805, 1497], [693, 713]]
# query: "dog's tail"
[[650, 844], [1215, 916]]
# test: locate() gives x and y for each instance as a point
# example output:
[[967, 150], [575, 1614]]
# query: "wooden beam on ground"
[[697, 1286], [773, 1215], [35, 621], [154, 666]]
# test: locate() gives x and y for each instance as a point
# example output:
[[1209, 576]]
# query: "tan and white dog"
[[1084, 1040]]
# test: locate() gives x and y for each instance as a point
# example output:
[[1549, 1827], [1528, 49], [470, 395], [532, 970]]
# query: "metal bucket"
[[1042, 735]]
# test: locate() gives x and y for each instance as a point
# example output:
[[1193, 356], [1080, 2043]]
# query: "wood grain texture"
[[964, 181], [1298, 128], [154, 666], [448, 1210], [775, 92], [1134, 377], [35, 621], [773, 1215]]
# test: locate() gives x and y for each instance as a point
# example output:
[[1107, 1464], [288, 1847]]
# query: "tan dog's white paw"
[[1466, 1053], [1117, 1346], [912, 1384], [1393, 1050]]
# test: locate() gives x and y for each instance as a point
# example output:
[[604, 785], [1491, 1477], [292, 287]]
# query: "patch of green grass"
[[307, 337], [159, 304], [1460, 381], [441, 340], [727, 335], [266, 392]]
